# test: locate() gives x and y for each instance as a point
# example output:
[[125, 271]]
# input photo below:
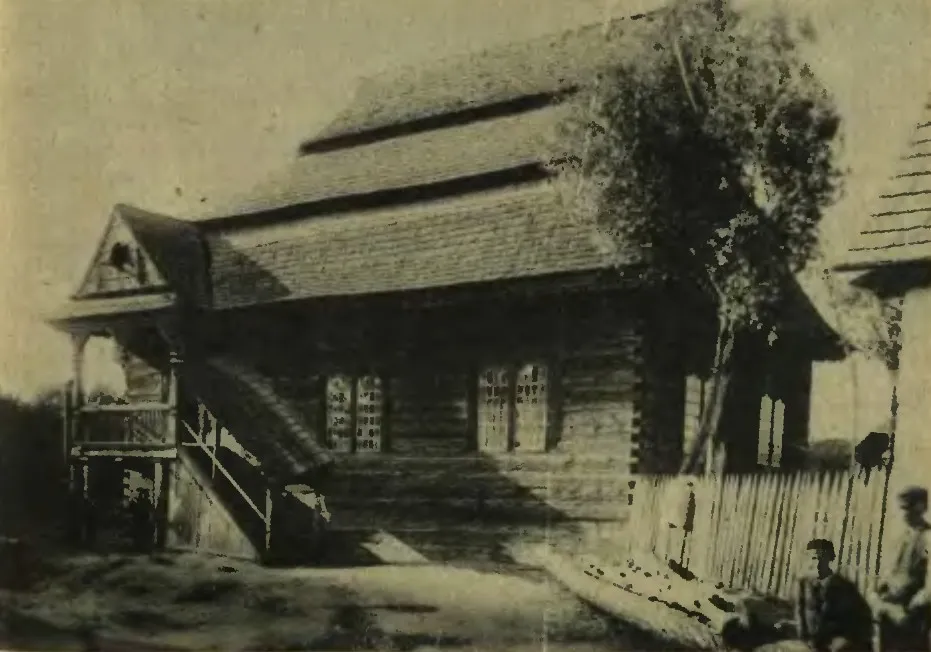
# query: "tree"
[[870, 324], [709, 148]]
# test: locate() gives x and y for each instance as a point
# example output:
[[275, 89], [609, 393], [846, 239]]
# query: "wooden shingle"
[[899, 229], [514, 232]]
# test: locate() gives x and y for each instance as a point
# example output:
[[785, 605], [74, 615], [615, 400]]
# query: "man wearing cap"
[[830, 612], [901, 604]]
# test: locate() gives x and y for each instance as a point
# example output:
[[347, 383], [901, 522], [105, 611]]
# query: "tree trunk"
[[708, 439]]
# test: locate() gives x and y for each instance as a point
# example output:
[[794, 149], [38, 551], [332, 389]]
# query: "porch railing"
[[123, 425]]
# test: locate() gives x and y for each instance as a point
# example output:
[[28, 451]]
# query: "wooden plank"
[[431, 404], [765, 532], [141, 406], [155, 452], [388, 513], [632, 598], [555, 461], [789, 506]]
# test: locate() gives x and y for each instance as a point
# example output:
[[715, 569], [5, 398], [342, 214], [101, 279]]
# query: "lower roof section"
[[520, 231]]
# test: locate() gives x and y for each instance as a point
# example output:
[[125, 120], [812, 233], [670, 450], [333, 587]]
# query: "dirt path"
[[191, 602]]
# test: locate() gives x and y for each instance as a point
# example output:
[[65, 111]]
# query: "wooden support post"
[[171, 334], [74, 425], [86, 507], [156, 503], [268, 519], [73, 517], [67, 412]]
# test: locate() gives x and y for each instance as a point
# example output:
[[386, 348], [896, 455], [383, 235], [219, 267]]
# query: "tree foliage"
[[870, 325], [711, 149]]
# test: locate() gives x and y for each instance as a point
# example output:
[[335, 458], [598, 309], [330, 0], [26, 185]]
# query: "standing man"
[[901, 604]]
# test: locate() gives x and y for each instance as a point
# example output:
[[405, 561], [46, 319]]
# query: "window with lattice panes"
[[494, 410], [512, 410], [355, 414], [772, 429], [369, 414], [530, 405], [339, 413]]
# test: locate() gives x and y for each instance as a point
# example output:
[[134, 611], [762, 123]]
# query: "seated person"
[[830, 614], [901, 604]]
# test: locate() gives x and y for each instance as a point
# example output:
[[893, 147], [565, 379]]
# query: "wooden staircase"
[[257, 493]]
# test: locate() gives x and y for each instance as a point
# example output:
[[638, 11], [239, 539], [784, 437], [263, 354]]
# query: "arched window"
[[513, 408], [769, 450], [355, 414]]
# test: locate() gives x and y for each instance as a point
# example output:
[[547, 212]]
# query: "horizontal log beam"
[[81, 452], [129, 407]]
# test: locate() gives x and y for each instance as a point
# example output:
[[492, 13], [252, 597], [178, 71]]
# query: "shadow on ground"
[[189, 602]]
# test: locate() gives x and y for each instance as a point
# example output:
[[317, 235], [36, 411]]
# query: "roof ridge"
[[406, 78]]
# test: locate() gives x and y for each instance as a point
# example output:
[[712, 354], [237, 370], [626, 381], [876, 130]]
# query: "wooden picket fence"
[[750, 531]]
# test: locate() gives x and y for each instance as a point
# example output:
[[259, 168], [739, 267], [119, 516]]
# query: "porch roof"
[[90, 310], [899, 231]]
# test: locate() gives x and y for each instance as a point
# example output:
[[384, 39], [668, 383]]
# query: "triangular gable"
[[120, 264]]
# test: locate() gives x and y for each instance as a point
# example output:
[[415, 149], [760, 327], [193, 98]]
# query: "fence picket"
[[750, 531]]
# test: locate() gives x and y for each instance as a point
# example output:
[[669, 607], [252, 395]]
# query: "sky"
[[163, 104]]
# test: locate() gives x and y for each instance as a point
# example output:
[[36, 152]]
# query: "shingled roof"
[[459, 151], [507, 233], [549, 64], [899, 230], [489, 115]]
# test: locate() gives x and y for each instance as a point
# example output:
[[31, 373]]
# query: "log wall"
[[432, 485]]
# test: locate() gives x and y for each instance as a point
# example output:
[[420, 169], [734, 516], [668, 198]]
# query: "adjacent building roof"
[[899, 230]]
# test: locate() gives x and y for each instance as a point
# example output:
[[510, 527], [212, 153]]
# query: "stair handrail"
[[265, 515]]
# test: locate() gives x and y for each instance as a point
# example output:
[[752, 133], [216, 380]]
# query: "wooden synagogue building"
[[405, 321]]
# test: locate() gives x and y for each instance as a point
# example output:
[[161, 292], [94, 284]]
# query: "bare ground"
[[191, 602]]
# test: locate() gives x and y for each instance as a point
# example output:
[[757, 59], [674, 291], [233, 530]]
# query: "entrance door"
[[494, 415], [530, 403]]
